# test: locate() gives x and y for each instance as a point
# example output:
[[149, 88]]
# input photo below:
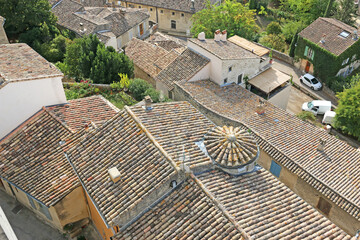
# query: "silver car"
[[310, 81]]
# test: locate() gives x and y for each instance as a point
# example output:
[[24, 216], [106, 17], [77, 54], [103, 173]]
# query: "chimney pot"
[[148, 102], [114, 174], [260, 109], [201, 36], [223, 36], [217, 36], [321, 145]]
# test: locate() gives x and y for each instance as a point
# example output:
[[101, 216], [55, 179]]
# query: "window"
[[344, 34], [225, 80], [173, 24], [150, 9], [230, 69], [161, 11], [309, 53], [345, 61], [182, 14], [173, 13], [139, 6], [275, 168], [240, 77], [324, 206], [170, 95]]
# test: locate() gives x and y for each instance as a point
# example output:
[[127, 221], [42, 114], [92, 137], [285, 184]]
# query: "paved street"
[[25, 225], [296, 73]]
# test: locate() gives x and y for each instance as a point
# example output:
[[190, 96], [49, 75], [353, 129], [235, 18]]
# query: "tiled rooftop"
[[145, 55], [223, 50], [77, 114], [18, 61], [179, 5], [123, 144], [334, 172], [267, 209], [174, 126], [187, 213], [167, 42], [332, 27], [31, 158], [182, 68]]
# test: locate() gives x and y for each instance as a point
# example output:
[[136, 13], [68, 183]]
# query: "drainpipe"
[[157, 17]]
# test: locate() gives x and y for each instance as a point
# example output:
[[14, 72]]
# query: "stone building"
[[172, 16], [114, 26], [32, 79], [158, 172], [3, 37], [33, 167], [321, 169], [328, 48]]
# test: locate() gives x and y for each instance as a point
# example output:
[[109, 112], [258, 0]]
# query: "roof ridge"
[[151, 138], [220, 206], [58, 120]]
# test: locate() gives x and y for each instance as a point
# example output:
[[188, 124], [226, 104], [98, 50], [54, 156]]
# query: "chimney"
[[201, 36], [223, 36], [148, 101], [355, 35], [114, 174], [322, 40], [82, 28], [113, 5], [192, 6], [321, 145], [260, 109], [217, 36]]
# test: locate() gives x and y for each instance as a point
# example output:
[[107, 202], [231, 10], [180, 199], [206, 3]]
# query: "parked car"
[[329, 117], [317, 106], [311, 81]]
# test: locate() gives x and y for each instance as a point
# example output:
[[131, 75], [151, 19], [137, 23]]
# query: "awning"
[[269, 80], [248, 45]]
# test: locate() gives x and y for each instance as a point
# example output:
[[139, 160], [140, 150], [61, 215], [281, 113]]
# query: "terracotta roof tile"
[[223, 50], [187, 213], [32, 159], [145, 54], [18, 61], [334, 43], [174, 125], [182, 68], [119, 143], [267, 209], [334, 172]]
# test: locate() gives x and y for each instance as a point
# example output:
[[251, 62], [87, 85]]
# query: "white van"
[[317, 106]]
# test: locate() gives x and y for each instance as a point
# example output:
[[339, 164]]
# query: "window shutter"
[[306, 50], [312, 55]]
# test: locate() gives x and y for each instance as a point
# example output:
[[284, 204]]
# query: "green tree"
[[138, 87], [305, 11], [329, 8], [292, 46], [345, 11], [24, 15], [348, 111], [276, 42], [231, 15], [273, 28]]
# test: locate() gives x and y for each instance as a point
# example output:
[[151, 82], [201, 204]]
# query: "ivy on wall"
[[326, 64]]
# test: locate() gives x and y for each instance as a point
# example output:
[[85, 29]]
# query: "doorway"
[[307, 67]]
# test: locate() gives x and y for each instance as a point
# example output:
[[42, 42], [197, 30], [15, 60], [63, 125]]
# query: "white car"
[[311, 81]]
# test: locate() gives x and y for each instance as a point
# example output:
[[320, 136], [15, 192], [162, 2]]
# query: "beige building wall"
[[164, 17], [3, 37], [139, 73], [123, 40]]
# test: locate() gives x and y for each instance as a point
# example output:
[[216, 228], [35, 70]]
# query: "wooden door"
[[307, 68], [141, 26]]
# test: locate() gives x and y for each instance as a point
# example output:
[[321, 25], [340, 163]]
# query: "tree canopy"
[[24, 15], [231, 15], [348, 111]]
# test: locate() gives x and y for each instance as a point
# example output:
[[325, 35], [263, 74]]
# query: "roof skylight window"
[[344, 34]]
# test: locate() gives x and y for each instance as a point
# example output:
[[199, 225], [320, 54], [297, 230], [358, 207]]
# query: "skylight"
[[344, 34]]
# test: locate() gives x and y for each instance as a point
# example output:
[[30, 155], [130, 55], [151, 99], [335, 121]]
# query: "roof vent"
[[322, 40], [223, 36], [114, 174], [217, 36], [82, 28], [201, 36], [321, 145], [355, 35]]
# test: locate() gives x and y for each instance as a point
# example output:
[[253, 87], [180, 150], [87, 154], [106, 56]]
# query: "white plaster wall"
[[113, 43], [202, 74], [247, 67], [215, 62], [21, 100]]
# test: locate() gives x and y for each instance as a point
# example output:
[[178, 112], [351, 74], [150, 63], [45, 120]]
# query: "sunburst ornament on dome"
[[231, 147]]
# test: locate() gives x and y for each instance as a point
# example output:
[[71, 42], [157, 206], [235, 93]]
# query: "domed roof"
[[231, 147]]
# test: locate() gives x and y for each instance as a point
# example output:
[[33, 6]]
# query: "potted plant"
[[271, 56], [247, 85]]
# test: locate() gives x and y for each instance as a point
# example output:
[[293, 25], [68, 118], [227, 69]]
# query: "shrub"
[[276, 42], [273, 28], [138, 88], [155, 95], [307, 116]]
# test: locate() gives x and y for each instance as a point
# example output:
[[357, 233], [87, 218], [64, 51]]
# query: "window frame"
[[172, 24], [275, 169]]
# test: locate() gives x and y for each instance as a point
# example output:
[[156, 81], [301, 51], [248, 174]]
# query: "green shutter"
[[306, 50], [312, 55]]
